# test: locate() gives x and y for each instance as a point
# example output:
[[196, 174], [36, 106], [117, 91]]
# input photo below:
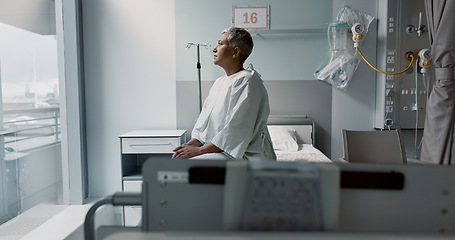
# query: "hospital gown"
[[234, 117]]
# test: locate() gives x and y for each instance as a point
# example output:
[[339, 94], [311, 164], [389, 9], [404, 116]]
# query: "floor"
[[25, 223]]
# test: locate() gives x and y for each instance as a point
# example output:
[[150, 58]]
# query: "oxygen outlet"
[[388, 122], [410, 29], [409, 55]]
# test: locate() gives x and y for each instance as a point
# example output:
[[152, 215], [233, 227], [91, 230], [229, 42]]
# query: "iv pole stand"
[[198, 66]]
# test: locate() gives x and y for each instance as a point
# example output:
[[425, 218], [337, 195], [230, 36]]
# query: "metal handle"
[[149, 144], [118, 199]]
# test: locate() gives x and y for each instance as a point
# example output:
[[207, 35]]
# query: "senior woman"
[[233, 120]]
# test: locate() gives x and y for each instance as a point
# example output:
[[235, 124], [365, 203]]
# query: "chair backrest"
[[373, 146]]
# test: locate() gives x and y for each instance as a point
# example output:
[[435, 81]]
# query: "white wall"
[[354, 108], [275, 56], [129, 54]]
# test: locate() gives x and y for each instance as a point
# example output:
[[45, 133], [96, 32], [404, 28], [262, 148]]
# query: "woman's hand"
[[194, 148], [187, 151]]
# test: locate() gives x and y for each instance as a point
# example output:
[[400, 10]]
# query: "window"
[[30, 157]]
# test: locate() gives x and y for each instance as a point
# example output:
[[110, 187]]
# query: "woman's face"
[[222, 52]]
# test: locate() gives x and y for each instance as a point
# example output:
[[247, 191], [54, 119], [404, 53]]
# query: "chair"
[[373, 146]]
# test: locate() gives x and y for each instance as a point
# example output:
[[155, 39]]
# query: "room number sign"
[[251, 17]]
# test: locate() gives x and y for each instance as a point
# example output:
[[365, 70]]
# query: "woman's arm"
[[194, 142], [210, 148]]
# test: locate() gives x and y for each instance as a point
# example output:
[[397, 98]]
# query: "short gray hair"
[[239, 37]]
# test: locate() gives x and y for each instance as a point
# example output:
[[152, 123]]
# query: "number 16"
[[253, 17]]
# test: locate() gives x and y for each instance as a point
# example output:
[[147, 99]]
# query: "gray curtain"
[[439, 131]]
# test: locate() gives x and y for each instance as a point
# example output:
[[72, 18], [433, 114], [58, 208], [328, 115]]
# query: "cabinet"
[[136, 147]]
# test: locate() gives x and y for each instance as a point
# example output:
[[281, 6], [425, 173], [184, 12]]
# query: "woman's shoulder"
[[249, 76]]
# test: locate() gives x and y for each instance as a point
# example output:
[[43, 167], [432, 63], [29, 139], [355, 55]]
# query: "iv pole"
[[198, 66]]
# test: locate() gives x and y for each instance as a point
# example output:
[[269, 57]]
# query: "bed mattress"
[[306, 153]]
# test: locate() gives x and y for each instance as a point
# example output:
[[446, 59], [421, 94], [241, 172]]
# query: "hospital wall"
[[129, 61], [354, 108]]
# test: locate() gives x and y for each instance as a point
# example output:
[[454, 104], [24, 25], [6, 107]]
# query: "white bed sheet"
[[306, 153]]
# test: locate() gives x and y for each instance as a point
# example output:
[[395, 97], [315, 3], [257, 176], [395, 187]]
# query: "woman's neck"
[[233, 70]]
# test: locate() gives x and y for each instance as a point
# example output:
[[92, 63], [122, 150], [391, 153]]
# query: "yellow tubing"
[[388, 73]]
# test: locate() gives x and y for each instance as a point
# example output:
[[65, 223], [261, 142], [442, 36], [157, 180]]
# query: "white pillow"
[[283, 138]]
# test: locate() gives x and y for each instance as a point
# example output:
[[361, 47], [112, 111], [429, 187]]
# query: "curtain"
[[439, 131]]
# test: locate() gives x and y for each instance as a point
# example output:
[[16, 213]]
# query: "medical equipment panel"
[[239, 195], [401, 98], [277, 196], [211, 195]]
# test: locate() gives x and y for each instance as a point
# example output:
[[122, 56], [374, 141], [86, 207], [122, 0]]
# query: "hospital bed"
[[293, 138]]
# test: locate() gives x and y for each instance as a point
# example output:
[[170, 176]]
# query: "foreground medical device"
[[240, 195], [117, 199], [217, 195], [228, 196], [278, 196]]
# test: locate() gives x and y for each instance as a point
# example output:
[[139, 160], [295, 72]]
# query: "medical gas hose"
[[408, 55]]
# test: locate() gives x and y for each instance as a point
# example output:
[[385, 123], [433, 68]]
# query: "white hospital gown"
[[234, 117]]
